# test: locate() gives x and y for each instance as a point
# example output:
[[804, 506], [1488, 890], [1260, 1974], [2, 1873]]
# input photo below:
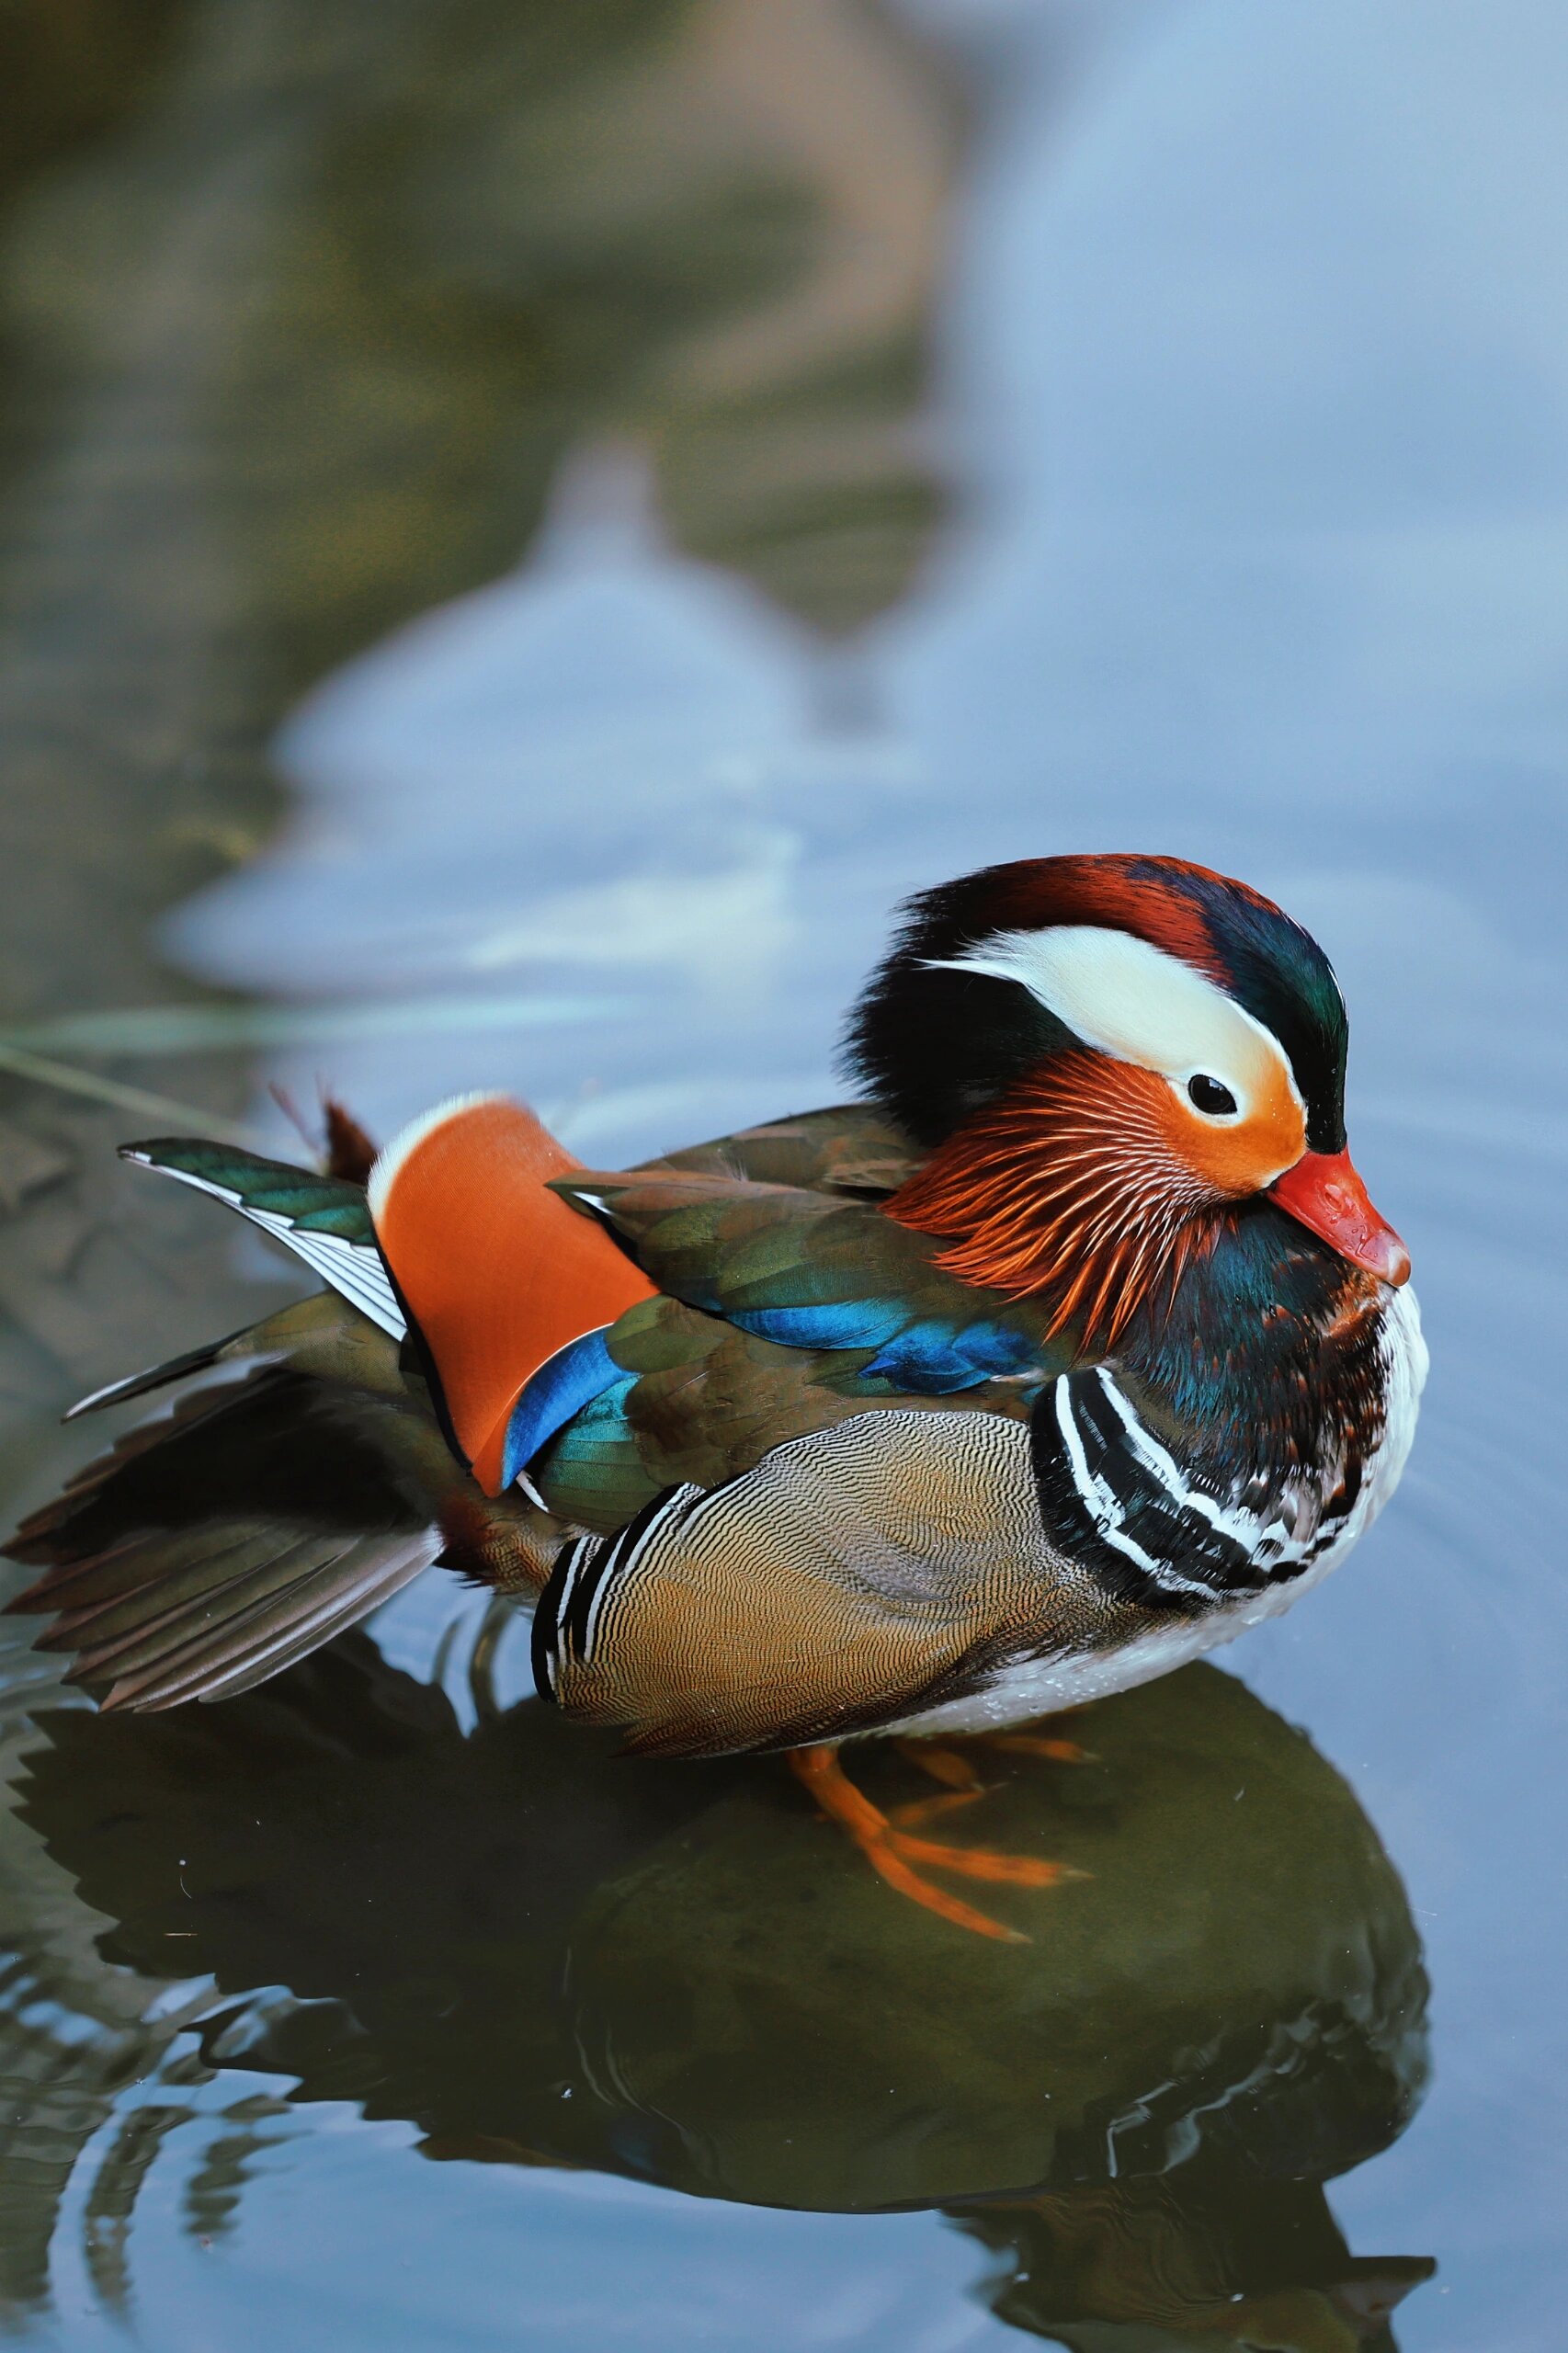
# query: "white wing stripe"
[[187, 1177], [353, 1268]]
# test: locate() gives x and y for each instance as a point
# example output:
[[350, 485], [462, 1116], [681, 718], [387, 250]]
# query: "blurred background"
[[525, 527]]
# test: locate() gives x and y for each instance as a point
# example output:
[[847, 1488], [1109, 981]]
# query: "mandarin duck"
[[1071, 1352]]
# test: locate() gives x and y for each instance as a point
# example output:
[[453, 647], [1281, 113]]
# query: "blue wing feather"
[[564, 1384], [930, 1354]]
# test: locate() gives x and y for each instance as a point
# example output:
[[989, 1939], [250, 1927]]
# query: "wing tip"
[[146, 1150], [128, 1385], [151, 1377]]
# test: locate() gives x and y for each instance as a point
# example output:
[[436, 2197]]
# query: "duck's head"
[[1106, 1057]]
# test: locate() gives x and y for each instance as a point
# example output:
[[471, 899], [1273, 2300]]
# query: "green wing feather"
[[593, 1472], [324, 1220], [850, 1148], [311, 1203], [789, 1303], [823, 1272]]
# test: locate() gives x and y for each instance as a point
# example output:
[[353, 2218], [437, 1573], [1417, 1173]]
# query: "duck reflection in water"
[[1138, 2113], [1215, 2260]]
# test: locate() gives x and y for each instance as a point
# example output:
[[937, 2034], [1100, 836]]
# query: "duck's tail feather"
[[239, 1613], [321, 1219], [222, 1541]]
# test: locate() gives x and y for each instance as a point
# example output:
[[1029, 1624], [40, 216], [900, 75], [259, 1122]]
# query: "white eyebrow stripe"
[[1132, 1000]]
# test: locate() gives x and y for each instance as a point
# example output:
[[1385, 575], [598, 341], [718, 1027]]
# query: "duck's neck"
[[1265, 1355], [1221, 1423], [1239, 1433]]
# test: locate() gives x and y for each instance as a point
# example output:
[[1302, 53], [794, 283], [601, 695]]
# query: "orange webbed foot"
[[1035, 1744], [893, 1852], [949, 1766]]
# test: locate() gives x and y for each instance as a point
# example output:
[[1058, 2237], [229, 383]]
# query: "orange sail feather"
[[498, 1273]]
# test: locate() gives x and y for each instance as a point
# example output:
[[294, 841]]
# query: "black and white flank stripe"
[[1186, 1534], [572, 1608], [1151, 1526]]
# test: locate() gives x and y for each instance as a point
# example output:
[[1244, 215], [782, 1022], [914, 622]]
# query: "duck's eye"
[[1210, 1095]]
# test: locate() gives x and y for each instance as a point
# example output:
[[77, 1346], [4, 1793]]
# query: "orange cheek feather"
[[1090, 1179], [1241, 1158]]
